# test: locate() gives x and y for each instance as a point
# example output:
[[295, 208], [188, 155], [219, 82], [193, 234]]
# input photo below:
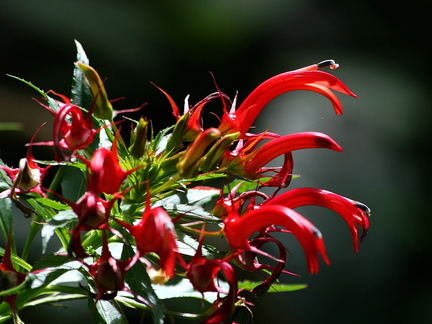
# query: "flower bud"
[[103, 108], [215, 153], [189, 165], [178, 133], [28, 177], [139, 139]]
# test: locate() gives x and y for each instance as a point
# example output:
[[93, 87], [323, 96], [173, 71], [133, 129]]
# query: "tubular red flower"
[[202, 273], [347, 208], [239, 229], [155, 233], [106, 174], [93, 213], [72, 131], [247, 260], [302, 79], [108, 273], [74, 135], [256, 160]]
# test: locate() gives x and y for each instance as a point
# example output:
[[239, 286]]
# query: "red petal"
[[238, 229], [288, 143], [341, 205]]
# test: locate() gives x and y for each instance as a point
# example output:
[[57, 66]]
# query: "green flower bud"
[[103, 108], [139, 139], [189, 165], [215, 153]]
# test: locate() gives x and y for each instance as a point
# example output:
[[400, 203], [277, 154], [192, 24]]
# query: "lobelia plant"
[[134, 220]]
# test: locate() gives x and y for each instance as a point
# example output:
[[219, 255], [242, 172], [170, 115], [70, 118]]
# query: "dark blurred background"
[[385, 133]]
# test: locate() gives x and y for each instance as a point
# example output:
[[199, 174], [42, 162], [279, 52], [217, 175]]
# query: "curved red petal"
[[285, 82], [341, 205], [289, 143], [238, 229]]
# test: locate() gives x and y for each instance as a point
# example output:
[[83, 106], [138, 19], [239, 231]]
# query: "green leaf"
[[39, 282], [17, 261], [276, 287], [187, 245], [62, 220], [51, 261], [35, 284], [183, 288], [190, 203], [73, 184], [6, 216], [80, 94], [47, 214], [51, 102], [55, 298], [106, 312], [13, 290], [52, 204], [139, 282]]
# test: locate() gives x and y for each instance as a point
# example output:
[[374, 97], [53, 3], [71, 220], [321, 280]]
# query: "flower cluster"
[[135, 217]]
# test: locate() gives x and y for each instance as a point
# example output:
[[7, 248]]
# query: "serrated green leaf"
[[80, 93], [190, 203], [51, 102], [51, 261], [187, 245], [62, 220], [35, 284], [52, 204], [139, 282], [106, 312]]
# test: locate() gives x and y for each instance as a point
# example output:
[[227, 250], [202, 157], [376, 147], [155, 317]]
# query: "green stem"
[[165, 186], [56, 181]]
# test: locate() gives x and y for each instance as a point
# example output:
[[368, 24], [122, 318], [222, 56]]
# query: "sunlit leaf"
[[139, 282], [80, 93], [51, 102], [62, 220], [107, 312]]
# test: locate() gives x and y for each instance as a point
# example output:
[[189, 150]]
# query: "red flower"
[[155, 233], [238, 229], [247, 260], [108, 273], [250, 162], [354, 213], [307, 78], [72, 131], [105, 173], [202, 273], [93, 213], [26, 178]]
